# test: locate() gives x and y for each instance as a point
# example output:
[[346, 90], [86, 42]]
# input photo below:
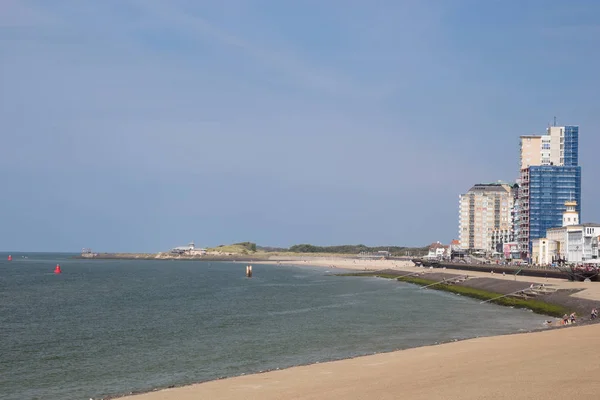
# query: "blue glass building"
[[550, 187], [571, 146]]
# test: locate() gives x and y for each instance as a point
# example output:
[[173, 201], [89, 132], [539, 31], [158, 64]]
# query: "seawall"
[[496, 268]]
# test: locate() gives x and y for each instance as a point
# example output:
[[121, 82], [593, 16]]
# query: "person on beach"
[[594, 313], [565, 319], [572, 316]]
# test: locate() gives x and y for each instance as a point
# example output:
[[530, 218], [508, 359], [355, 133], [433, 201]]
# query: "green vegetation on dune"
[[536, 306], [236, 248], [358, 248], [311, 250], [248, 246]]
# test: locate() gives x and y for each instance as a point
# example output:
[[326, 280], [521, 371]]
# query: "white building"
[[438, 251], [582, 243], [570, 221], [543, 251], [184, 249], [573, 242]]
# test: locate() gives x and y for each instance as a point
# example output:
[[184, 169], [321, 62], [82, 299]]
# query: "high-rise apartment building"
[[531, 150], [485, 216], [550, 175]]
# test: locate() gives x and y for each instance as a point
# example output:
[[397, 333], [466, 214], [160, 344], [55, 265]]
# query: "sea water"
[[108, 327]]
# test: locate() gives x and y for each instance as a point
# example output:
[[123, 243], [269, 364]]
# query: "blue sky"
[[141, 125]]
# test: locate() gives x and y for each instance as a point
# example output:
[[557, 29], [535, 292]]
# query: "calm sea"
[[111, 327]]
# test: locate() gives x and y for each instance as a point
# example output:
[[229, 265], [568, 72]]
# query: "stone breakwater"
[[169, 256]]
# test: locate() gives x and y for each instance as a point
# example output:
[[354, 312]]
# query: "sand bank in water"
[[554, 364]]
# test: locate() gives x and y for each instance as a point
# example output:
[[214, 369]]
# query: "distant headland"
[[248, 251]]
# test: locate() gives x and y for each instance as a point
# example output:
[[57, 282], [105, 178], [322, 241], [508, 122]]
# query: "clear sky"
[[141, 125]]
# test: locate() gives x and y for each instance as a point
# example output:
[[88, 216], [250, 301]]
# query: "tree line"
[[340, 249], [356, 249]]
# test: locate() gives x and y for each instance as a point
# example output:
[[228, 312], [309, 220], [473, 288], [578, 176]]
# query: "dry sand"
[[553, 364]]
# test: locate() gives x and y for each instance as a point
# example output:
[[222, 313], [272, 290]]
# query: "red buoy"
[[57, 269], [9, 258]]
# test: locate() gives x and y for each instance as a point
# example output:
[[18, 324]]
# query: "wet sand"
[[553, 364]]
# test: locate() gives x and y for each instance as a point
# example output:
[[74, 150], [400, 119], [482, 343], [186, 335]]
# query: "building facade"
[[543, 251], [582, 242], [549, 176], [438, 251], [531, 150], [485, 217], [550, 187], [553, 246]]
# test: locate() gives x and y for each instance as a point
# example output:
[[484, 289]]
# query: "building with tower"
[[571, 243], [570, 216]]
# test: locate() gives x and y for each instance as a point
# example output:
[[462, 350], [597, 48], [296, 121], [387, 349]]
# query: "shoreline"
[[229, 387], [315, 381]]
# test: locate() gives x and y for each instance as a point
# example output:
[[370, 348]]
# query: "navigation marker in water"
[[57, 269], [9, 258]]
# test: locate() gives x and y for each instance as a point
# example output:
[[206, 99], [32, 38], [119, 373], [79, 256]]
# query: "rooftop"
[[491, 187], [570, 227]]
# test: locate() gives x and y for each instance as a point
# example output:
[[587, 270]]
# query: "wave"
[[310, 309]]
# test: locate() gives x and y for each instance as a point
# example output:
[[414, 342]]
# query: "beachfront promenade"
[[551, 364]]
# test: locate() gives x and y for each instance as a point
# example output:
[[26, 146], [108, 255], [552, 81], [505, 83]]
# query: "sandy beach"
[[551, 364]]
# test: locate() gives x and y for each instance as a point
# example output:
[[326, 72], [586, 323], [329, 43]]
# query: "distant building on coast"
[[549, 176], [439, 251], [87, 253], [486, 217], [190, 249]]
